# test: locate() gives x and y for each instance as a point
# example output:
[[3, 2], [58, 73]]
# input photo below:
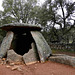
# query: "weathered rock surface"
[[42, 46], [6, 43], [12, 26], [12, 56], [64, 59], [31, 56]]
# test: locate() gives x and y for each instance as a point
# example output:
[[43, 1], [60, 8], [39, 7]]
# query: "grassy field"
[[68, 52]]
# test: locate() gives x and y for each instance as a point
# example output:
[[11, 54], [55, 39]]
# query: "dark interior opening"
[[22, 43]]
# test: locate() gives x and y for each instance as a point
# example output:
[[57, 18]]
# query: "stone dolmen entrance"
[[24, 42]]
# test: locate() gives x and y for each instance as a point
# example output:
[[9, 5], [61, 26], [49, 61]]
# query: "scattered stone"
[[15, 67], [64, 59], [3, 59], [12, 56], [31, 63], [19, 68], [8, 62], [8, 66], [18, 63], [12, 64]]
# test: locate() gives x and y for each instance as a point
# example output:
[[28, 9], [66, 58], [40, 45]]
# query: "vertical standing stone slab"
[[12, 56], [43, 48], [6, 43], [32, 56]]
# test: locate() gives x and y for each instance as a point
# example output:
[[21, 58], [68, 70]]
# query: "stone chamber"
[[24, 42], [21, 43]]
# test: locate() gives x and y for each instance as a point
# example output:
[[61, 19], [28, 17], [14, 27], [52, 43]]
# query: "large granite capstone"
[[20, 26]]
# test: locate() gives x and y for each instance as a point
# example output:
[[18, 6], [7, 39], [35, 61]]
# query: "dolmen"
[[24, 42]]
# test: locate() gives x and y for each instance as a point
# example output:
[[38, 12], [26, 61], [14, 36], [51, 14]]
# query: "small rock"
[[15, 67], [7, 62], [18, 63], [12, 64], [8, 66], [3, 59], [19, 68], [31, 63]]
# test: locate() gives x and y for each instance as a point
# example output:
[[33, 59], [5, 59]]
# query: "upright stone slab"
[[32, 56], [6, 43], [42, 46], [13, 56]]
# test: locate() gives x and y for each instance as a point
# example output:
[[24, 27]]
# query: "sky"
[[40, 2], [1, 5]]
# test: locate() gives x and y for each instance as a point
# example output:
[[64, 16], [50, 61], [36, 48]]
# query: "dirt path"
[[48, 68]]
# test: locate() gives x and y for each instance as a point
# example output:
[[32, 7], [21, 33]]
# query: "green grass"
[[61, 50]]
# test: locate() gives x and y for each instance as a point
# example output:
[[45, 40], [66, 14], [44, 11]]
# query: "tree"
[[20, 10], [58, 12]]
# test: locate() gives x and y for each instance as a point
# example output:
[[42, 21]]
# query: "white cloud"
[[40, 2], [1, 8]]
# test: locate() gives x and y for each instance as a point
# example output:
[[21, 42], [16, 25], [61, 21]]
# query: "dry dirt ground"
[[47, 68]]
